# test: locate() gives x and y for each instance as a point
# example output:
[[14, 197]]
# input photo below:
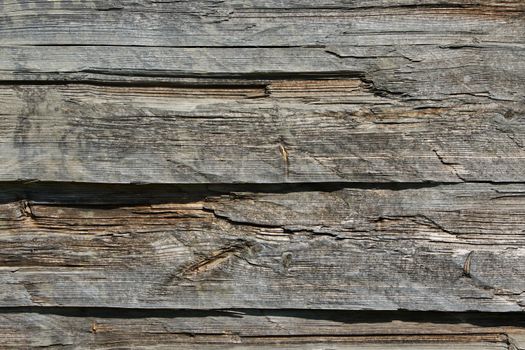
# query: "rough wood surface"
[[280, 131], [423, 49], [239, 23], [449, 248], [262, 156], [428, 91], [260, 329]]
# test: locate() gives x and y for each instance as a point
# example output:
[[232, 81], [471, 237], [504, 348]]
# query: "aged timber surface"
[[280, 131], [259, 329], [416, 91], [268, 174], [449, 248]]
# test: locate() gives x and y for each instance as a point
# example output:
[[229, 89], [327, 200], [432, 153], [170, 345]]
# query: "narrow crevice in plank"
[[291, 46], [479, 319], [204, 84], [115, 194]]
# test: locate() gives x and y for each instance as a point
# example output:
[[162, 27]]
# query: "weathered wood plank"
[[67, 328], [411, 49], [336, 130], [431, 73], [256, 23], [450, 248]]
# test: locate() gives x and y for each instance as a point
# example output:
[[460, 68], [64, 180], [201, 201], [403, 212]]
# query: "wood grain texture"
[[434, 73], [260, 329], [256, 23], [448, 248], [335, 130], [310, 167], [222, 92], [412, 49]]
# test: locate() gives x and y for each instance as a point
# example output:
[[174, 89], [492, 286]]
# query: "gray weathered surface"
[[448, 248], [423, 91], [334, 154], [243, 23], [280, 131], [110, 328], [431, 50]]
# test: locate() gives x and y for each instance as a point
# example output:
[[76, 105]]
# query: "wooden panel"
[[308, 167], [449, 248], [406, 48], [434, 73], [289, 329], [419, 92], [281, 131], [256, 23]]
